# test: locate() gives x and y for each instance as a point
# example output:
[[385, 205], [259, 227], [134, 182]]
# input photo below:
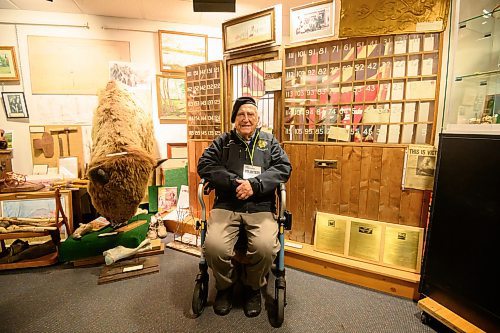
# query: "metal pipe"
[[49, 24]]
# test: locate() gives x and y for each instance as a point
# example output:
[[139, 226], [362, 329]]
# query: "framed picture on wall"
[[177, 150], [312, 21], [8, 64], [15, 105], [250, 30], [171, 95], [179, 49]]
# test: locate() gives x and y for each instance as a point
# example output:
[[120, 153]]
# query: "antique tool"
[[67, 131], [46, 144], [59, 141]]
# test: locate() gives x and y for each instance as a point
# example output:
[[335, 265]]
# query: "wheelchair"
[[284, 219]]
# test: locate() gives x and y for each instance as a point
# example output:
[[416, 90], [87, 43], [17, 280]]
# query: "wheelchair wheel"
[[200, 295], [280, 301]]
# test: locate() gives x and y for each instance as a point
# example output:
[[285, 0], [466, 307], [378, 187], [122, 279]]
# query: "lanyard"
[[250, 153]]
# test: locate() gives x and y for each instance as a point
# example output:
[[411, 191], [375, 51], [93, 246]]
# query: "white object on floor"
[[113, 255]]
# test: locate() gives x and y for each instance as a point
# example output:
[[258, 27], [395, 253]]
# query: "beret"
[[238, 103]]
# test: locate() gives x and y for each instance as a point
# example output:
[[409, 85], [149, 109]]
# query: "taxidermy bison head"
[[118, 183], [121, 160]]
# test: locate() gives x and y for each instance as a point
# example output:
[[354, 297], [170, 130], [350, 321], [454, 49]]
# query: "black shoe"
[[222, 304], [252, 304]]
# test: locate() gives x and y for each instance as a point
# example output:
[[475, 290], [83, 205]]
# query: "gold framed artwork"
[[180, 49], [312, 21], [369, 18], [171, 95], [250, 30], [386, 244], [8, 64]]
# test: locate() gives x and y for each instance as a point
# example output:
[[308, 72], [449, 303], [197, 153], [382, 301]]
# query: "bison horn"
[[99, 175], [160, 161]]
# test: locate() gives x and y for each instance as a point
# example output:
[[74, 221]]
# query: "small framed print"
[[250, 30], [312, 21], [180, 49], [15, 105], [8, 64], [167, 199], [171, 95]]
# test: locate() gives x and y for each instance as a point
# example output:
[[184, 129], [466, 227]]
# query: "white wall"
[[17, 25]]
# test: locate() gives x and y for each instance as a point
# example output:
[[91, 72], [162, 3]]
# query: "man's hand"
[[244, 190]]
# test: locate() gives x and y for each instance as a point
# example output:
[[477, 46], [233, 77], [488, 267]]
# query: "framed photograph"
[[8, 64], [171, 95], [179, 49], [250, 30], [135, 76], [15, 105], [167, 199], [312, 21]]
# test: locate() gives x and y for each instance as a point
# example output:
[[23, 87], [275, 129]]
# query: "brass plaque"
[[330, 233], [382, 17], [365, 240], [401, 247]]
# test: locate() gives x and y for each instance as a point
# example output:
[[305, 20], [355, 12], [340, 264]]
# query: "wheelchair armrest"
[[285, 216], [203, 189]]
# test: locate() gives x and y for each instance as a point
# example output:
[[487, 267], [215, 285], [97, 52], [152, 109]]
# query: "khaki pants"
[[222, 234]]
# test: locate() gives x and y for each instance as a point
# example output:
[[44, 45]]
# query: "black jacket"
[[222, 163]]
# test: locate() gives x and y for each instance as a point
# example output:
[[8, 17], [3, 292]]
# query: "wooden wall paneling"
[[332, 181], [395, 182], [313, 190], [355, 181], [209, 200], [290, 190], [193, 178], [373, 199], [297, 190], [300, 153], [364, 181], [411, 207], [424, 211], [390, 184], [198, 152], [345, 180]]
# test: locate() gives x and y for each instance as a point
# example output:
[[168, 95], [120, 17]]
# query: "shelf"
[[389, 280], [481, 18], [45, 260], [14, 235], [493, 129], [488, 74], [447, 317]]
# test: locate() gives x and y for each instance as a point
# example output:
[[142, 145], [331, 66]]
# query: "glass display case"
[[475, 78]]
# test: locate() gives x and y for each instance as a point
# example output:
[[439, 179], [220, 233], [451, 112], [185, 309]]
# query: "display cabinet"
[[462, 238], [204, 100], [475, 81], [380, 89]]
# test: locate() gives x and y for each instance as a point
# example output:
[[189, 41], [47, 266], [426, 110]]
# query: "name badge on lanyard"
[[251, 171]]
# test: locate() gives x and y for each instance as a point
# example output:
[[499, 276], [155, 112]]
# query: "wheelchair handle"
[[282, 200], [201, 186]]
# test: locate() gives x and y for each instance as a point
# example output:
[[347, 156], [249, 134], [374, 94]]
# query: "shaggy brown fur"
[[118, 182]]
